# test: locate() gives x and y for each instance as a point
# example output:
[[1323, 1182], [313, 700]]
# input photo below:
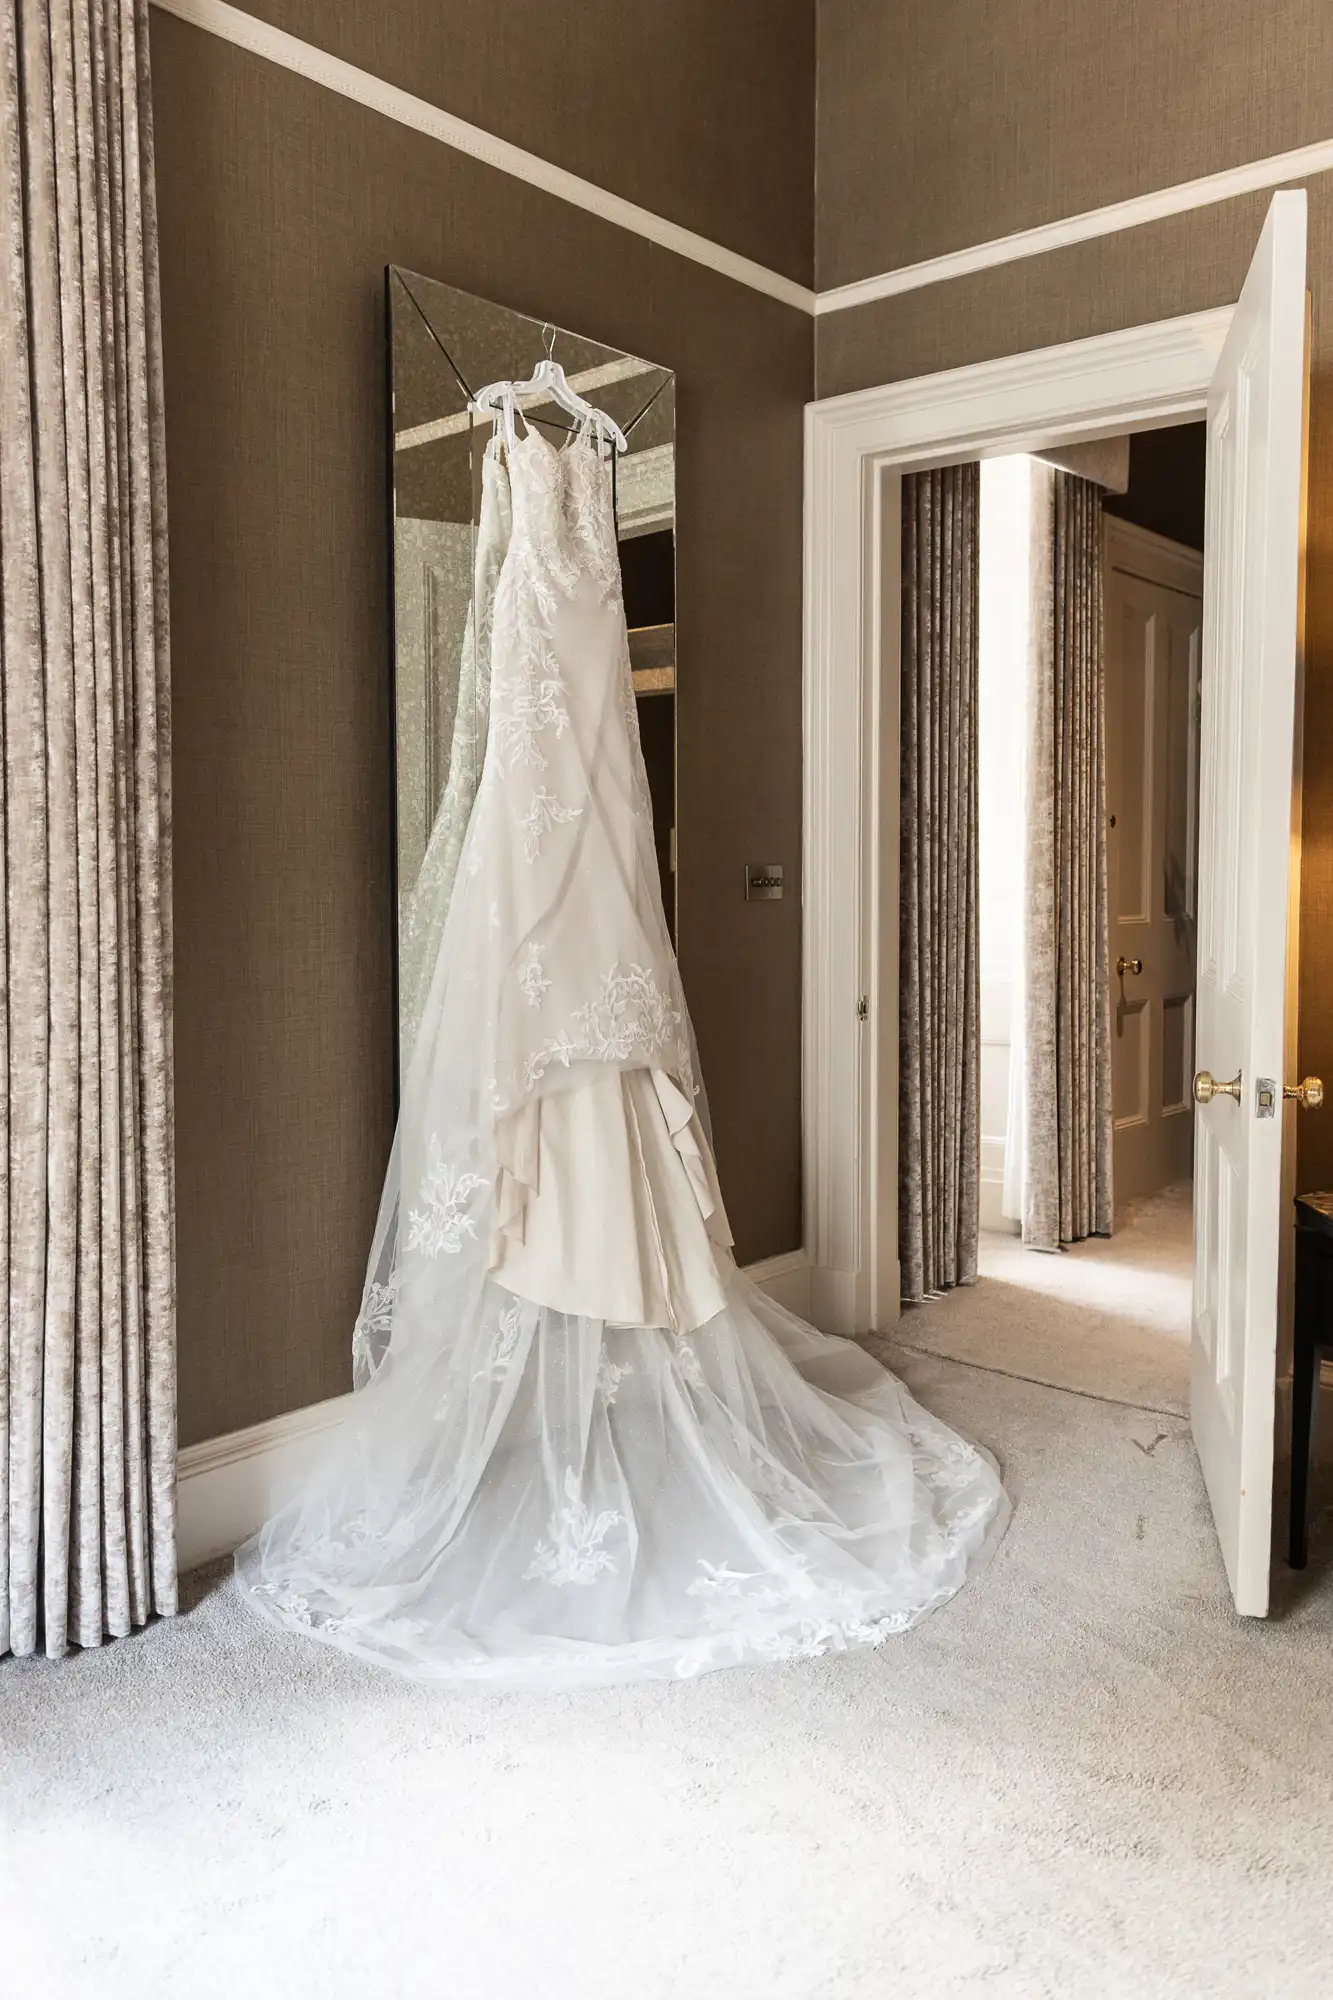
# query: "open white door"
[[1252, 552]]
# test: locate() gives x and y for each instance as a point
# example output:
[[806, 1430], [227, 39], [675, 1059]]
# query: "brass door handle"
[[1207, 1087], [1124, 965], [1308, 1093]]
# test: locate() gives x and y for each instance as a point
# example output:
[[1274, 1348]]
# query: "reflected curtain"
[[1067, 1194], [87, 1359], [939, 976]]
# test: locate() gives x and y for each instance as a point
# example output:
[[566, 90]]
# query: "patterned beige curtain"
[[87, 1366], [939, 980], [1067, 1191]]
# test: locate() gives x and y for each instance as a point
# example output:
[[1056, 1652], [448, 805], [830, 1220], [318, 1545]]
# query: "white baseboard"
[[785, 1278], [991, 1213], [227, 1487]]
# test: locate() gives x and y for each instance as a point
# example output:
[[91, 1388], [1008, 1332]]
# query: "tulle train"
[[547, 1501]]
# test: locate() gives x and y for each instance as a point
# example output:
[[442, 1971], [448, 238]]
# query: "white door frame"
[[856, 449]]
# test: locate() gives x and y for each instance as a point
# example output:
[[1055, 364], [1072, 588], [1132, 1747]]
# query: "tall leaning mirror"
[[444, 346]]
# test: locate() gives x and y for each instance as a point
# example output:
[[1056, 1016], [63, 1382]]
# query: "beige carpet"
[[1109, 1317], [1085, 1776]]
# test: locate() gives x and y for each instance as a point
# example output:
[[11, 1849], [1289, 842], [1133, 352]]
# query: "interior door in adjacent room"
[[1248, 737], [1154, 616]]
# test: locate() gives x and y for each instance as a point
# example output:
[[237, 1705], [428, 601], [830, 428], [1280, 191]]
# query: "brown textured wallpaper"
[[1179, 265], [700, 111], [280, 205], [943, 122]]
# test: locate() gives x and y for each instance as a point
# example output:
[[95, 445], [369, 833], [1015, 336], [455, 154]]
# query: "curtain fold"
[[87, 1346], [1067, 1011], [939, 976]]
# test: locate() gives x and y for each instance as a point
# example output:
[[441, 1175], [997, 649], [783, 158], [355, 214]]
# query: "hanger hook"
[[548, 340]]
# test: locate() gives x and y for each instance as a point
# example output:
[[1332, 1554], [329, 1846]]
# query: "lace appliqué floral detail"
[[532, 976], [629, 1016], [294, 1609], [508, 1329], [374, 1326], [785, 1494], [440, 1224], [545, 812], [529, 699], [589, 518], [721, 1580], [574, 1553], [289, 1603], [384, 1537], [610, 1375], [629, 705], [947, 1462], [527, 710], [688, 1365], [544, 536], [759, 1616]]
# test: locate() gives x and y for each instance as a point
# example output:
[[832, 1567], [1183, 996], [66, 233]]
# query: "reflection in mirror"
[[450, 528]]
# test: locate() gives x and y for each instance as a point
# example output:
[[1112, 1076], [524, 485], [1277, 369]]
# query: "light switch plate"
[[763, 881]]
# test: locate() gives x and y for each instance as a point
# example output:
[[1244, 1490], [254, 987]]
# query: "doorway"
[[1109, 1311], [1243, 369]]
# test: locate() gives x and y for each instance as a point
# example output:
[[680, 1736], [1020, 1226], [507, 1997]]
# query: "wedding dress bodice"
[[583, 966]]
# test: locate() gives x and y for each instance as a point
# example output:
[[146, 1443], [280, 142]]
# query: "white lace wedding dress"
[[584, 1446]]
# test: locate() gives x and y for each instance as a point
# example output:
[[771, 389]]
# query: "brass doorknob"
[[1207, 1087], [1124, 965], [1308, 1093]]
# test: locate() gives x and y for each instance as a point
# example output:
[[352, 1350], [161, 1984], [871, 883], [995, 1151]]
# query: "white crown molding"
[[317, 66], [1278, 169], [227, 1487], [232, 24]]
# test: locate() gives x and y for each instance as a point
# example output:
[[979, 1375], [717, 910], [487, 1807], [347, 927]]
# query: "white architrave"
[[857, 448]]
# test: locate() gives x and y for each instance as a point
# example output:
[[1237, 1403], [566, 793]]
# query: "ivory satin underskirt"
[[609, 1204]]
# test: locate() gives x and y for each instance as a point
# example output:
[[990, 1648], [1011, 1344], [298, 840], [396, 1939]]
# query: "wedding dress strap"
[[594, 426], [506, 411]]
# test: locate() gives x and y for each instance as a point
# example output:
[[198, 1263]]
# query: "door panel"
[[1154, 613], [1246, 769], [1133, 697], [1181, 770]]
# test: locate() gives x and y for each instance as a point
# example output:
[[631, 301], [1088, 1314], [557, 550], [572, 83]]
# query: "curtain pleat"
[[1068, 1018], [87, 1348], [939, 989]]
